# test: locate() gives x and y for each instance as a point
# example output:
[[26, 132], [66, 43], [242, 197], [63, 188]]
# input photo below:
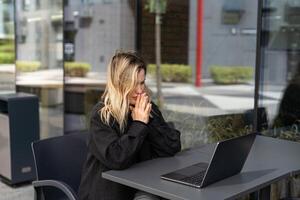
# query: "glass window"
[[39, 60], [198, 47], [280, 67], [279, 86], [93, 31], [7, 47]]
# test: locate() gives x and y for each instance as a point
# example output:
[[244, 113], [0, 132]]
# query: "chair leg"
[[288, 187], [264, 193], [288, 190], [38, 194]]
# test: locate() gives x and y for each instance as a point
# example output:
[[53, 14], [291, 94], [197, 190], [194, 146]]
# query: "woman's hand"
[[141, 111]]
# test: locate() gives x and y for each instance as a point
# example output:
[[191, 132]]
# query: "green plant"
[[7, 51], [7, 48], [156, 6], [172, 72], [6, 58], [27, 66], [78, 69], [231, 74], [285, 132], [224, 127], [6, 41], [290, 135], [191, 126]]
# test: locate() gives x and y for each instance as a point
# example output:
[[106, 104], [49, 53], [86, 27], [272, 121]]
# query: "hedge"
[[7, 51], [5, 48], [76, 68], [27, 66], [231, 74], [6, 58], [172, 72]]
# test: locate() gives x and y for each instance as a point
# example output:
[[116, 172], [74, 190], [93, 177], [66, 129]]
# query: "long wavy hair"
[[122, 76]]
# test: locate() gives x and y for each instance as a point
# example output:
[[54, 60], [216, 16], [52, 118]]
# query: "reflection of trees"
[[158, 7]]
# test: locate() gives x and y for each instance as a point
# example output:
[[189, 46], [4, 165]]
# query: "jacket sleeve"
[[165, 140], [111, 149]]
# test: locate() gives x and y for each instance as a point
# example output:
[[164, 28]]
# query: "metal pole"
[[199, 41], [258, 64], [158, 58]]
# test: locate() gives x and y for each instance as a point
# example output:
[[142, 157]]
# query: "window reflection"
[[93, 30], [7, 47], [223, 106], [279, 79], [39, 59], [280, 66]]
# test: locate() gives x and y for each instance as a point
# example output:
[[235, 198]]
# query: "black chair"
[[58, 163]]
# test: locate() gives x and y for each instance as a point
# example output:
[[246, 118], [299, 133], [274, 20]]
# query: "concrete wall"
[[224, 44], [111, 28], [43, 38]]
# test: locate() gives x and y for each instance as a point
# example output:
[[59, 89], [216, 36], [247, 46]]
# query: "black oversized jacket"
[[109, 149]]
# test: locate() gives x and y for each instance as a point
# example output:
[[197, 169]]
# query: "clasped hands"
[[141, 110]]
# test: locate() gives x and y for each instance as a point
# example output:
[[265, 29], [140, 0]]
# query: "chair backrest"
[[60, 158]]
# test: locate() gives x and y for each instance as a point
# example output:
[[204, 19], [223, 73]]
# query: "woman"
[[126, 128]]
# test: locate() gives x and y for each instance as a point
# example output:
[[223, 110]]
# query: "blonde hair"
[[121, 81]]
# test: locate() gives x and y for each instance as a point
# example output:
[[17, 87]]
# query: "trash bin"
[[19, 126]]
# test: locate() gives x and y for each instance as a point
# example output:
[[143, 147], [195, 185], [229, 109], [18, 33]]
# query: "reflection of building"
[[39, 36], [94, 29], [7, 54], [6, 20], [39, 32], [98, 30], [281, 40], [229, 33]]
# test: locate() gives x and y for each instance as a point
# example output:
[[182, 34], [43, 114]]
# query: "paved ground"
[[216, 99], [24, 192], [186, 99]]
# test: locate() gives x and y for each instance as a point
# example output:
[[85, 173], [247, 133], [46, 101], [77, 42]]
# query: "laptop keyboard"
[[195, 179]]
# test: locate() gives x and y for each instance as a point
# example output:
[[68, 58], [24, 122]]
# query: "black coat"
[[109, 149]]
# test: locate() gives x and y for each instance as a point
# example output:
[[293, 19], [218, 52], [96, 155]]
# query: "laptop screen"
[[228, 159]]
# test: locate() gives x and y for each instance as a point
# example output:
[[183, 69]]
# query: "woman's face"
[[139, 88]]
